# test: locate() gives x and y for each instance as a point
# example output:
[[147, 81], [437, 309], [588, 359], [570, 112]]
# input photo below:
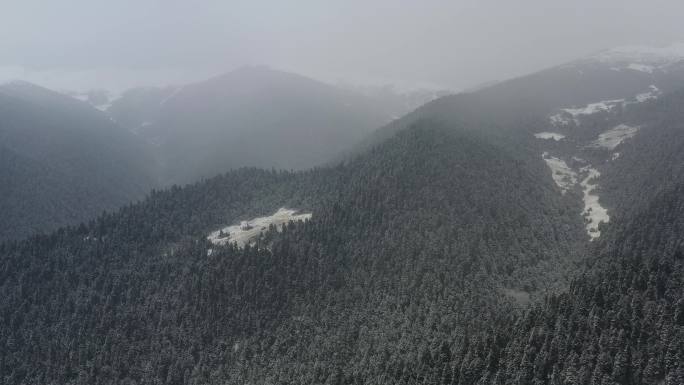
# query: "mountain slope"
[[63, 162], [422, 239], [249, 117], [620, 74], [621, 323], [139, 107], [416, 266], [579, 115], [653, 159]]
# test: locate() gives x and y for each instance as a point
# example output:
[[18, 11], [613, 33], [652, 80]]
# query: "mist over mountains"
[[263, 227], [250, 117], [148, 138]]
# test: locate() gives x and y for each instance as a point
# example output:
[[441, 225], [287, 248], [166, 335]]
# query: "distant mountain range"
[[66, 162], [249, 117]]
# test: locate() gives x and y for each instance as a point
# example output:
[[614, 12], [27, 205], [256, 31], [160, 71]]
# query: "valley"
[[262, 227]]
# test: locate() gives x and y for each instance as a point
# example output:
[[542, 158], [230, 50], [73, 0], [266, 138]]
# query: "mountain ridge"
[[69, 150]]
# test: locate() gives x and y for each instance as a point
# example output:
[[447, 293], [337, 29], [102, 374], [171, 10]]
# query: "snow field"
[[243, 233]]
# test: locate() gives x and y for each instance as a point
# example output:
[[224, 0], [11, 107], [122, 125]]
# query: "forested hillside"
[[591, 86], [652, 161], [526, 233], [620, 323], [622, 320], [411, 248], [65, 161], [227, 192], [62, 162]]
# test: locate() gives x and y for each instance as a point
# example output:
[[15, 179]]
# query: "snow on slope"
[[549, 135], [593, 212], [654, 63], [589, 109], [613, 137], [563, 175], [247, 231], [566, 178], [566, 115], [643, 58], [559, 120], [653, 93], [641, 67], [100, 99]]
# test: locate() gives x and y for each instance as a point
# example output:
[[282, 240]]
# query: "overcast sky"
[[79, 44]]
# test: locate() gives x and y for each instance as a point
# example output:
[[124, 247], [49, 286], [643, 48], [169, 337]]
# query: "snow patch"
[[81, 97], [589, 109], [566, 115], [549, 135], [520, 296], [653, 93], [94, 98], [641, 67], [104, 107], [593, 212], [613, 137], [615, 156], [246, 231], [559, 119], [563, 175]]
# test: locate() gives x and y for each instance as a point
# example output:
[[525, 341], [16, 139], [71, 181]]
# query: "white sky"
[[115, 44]]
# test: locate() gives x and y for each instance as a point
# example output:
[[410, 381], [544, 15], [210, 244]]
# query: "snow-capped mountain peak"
[[638, 56]]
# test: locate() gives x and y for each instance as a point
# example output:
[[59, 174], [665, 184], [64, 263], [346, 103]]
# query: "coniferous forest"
[[378, 287], [526, 231]]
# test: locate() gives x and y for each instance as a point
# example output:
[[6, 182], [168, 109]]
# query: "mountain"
[[98, 98], [525, 233], [253, 116], [580, 115], [137, 108], [62, 162], [597, 83], [397, 101], [602, 330], [622, 322], [434, 233], [151, 137]]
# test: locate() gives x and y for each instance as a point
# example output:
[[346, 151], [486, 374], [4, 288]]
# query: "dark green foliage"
[[651, 162], [620, 323], [405, 258], [400, 277]]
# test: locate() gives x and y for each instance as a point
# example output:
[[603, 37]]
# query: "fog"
[[81, 44]]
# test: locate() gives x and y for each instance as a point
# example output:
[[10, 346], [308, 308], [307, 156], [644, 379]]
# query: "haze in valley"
[[82, 44]]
